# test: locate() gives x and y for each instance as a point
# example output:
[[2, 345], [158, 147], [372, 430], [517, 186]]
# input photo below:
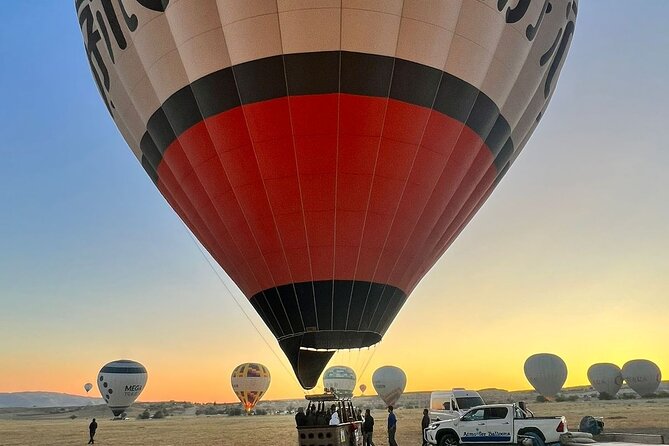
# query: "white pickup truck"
[[496, 424]]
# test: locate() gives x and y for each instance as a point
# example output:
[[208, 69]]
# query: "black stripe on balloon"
[[330, 321], [323, 73], [108, 369]]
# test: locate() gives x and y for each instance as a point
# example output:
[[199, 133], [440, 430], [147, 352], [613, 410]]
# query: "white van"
[[449, 404]]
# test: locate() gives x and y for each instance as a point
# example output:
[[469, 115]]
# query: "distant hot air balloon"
[[250, 381], [326, 157], [546, 372], [362, 388], [88, 387], [642, 375], [341, 379], [120, 383], [605, 378], [389, 382]]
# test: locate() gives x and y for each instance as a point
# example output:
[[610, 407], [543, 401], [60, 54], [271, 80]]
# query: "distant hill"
[[45, 399]]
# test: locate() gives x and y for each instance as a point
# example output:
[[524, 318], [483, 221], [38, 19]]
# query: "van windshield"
[[467, 402]]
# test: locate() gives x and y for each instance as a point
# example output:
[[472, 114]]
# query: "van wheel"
[[449, 440], [536, 439]]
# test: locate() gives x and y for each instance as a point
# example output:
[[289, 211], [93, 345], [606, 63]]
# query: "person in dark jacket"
[[300, 417], [424, 423], [311, 416], [91, 430], [368, 429], [392, 427]]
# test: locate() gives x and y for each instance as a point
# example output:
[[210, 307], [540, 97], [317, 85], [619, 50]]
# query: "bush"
[[605, 396], [628, 396], [73, 416], [144, 415], [210, 410], [541, 399], [235, 412], [159, 414], [260, 412], [663, 394]]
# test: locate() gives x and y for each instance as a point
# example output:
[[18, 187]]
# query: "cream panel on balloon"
[[393, 7], [232, 11], [367, 31], [253, 38], [424, 43], [291, 5], [204, 54], [441, 13], [310, 30], [187, 22]]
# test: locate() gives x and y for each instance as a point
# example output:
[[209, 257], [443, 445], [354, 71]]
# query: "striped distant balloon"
[[341, 379], [120, 383], [389, 382], [326, 153], [250, 381]]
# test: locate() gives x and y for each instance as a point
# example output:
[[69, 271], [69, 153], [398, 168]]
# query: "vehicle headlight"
[[433, 426]]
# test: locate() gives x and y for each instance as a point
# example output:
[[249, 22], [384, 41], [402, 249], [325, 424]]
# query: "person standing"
[[91, 430], [334, 420], [424, 423], [300, 417], [392, 427], [368, 429]]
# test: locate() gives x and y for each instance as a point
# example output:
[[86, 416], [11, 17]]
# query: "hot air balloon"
[[88, 387], [341, 379], [250, 381], [642, 375], [326, 157], [546, 372], [362, 388], [120, 383], [605, 378], [389, 382]]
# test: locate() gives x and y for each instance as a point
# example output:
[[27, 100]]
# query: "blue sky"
[[94, 264]]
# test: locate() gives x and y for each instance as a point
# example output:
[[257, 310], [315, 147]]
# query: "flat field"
[[642, 416]]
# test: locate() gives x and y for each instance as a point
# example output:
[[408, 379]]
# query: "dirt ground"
[[643, 416]]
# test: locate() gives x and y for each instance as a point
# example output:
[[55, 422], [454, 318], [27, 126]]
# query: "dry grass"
[[628, 416]]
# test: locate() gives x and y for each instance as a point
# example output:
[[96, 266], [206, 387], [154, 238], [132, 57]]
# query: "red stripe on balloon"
[[322, 187]]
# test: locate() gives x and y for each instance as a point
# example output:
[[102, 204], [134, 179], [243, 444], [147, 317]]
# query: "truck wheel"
[[449, 440], [536, 439]]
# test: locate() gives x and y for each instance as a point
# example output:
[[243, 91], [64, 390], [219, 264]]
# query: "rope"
[[241, 308]]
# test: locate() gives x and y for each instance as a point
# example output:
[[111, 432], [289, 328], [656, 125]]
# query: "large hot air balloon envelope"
[[605, 378], [546, 372], [250, 381], [389, 382], [120, 383], [642, 375], [88, 387], [341, 379], [326, 153]]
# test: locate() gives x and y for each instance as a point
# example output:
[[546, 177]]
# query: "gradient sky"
[[570, 255]]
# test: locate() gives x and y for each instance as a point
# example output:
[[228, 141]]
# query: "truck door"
[[498, 426], [486, 425], [471, 427]]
